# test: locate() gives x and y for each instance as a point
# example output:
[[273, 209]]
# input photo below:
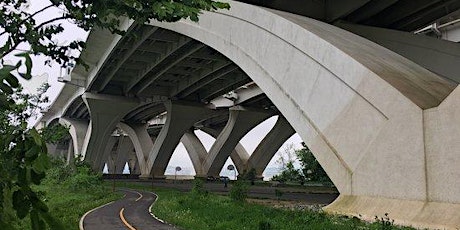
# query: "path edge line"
[[150, 208], [80, 224]]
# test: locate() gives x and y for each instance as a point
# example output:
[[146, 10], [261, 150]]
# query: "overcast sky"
[[180, 157]]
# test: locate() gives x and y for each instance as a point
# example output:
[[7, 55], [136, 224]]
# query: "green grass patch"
[[210, 211], [69, 192], [68, 205]]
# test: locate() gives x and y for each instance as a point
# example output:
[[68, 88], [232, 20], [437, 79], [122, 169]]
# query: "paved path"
[[131, 212]]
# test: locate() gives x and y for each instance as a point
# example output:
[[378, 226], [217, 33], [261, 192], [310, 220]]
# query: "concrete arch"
[[357, 105], [71, 93]]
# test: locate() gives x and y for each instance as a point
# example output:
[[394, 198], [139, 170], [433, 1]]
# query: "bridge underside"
[[383, 126]]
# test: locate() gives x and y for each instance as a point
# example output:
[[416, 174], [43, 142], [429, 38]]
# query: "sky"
[[43, 73]]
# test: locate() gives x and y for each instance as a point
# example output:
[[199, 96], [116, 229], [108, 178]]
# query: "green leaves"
[[28, 64], [21, 203]]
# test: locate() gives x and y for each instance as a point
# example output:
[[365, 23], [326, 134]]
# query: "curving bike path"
[[131, 212]]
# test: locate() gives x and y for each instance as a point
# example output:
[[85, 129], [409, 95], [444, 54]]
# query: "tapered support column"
[[239, 155], [240, 122], [58, 150], [133, 163], [110, 148], [104, 118], [122, 154], [195, 150], [142, 144], [270, 145], [180, 118], [77, 130], [70, 153]]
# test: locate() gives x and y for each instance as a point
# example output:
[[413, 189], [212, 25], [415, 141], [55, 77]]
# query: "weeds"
[[385, 222], [239, 191]]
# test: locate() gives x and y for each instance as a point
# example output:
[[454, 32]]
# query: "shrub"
[[198, 188], [58, 173], [239, 191], [84, 179]]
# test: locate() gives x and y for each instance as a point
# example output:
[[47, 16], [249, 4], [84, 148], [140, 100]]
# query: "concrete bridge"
[[376, 103]]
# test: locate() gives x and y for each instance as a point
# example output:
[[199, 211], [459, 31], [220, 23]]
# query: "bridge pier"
[[133, 163], [77, 130], [142, 143], [239, 155], [195, 150], [240, 122], [180, 118], [104, 119], [107, 156], [268, 147], [119, 156]]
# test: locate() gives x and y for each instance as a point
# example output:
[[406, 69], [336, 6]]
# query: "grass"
[[191, 211], [70, 195], [68, 206]]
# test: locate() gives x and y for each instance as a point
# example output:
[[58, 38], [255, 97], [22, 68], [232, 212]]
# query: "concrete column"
[[142, 144], [104, 118], [70, 153], [239, 155], [195, 150], [240, 122], [111, 147], [58, 150], [270, 145], [133, 162], [77, 130], [180, 118], [122, 154], [51, 148]]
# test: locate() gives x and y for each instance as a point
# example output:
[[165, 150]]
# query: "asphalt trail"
[[130, 212]]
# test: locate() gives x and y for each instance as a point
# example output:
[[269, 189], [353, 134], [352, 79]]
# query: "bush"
[[84, 179], [59, 172], [76, 176], [239, 191], [198, 188]]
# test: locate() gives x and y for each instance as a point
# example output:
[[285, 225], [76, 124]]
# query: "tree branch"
[[30, 16], [51, 20]]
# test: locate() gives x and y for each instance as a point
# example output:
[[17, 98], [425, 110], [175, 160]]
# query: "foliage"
[[289, 174], [54, 134], [198, 189], [23, 161], [249, 175], [66, 203], [239, 191], [311, 169], [23, 154]]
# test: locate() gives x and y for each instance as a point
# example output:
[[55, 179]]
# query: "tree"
[[23, 155], [288, 172], [311, 168], [23, 161]]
